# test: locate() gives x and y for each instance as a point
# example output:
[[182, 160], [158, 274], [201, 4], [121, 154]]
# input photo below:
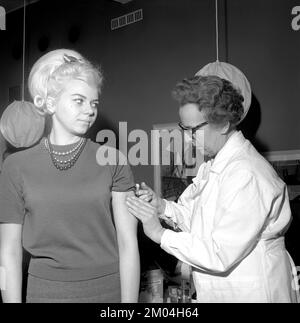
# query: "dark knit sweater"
[[66, 215]]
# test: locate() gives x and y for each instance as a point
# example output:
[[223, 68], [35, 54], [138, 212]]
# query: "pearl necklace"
[[61, 153], [68, 163]]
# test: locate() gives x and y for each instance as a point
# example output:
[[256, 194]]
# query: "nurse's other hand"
[[145, 193], [147, 214]]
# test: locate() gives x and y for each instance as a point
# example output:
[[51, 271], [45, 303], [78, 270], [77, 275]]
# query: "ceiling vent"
[[127, 19]]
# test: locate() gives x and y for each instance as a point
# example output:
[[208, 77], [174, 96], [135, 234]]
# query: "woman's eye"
[[79, 101], [95, 105]]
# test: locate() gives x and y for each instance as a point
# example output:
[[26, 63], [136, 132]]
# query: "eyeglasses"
[[193, 129]]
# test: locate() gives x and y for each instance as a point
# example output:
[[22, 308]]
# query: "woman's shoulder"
[[107, 155], [25, 156], [96, 145]]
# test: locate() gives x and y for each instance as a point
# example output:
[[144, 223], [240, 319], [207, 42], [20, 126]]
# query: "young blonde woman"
[[62, 206]]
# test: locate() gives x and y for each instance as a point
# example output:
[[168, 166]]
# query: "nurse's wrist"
[[159, 235], [161, 207]]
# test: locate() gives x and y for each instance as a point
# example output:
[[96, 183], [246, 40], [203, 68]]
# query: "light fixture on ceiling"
[[21, 125], [227, 71]]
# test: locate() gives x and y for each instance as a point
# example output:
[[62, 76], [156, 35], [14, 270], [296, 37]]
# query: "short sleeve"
[[11, 197], [122, 180]]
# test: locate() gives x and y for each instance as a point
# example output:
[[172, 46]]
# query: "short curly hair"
[[220, 101]]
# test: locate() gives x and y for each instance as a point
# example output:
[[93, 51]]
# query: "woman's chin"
[[81, 131], [83, 128]]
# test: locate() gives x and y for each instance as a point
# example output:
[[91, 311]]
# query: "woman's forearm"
[[12, 278], [129, 273]]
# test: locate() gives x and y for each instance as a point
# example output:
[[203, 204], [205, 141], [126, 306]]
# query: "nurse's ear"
[[225, 129]]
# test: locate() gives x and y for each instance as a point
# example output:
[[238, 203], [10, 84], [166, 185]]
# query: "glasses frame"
[[193, 129]]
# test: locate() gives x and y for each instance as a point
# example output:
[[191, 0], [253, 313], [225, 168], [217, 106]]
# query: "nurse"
[[234, 215]]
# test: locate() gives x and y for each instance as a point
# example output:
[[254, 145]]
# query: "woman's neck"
[[59, 139]]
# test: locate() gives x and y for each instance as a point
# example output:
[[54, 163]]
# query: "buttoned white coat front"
[[233, 219]]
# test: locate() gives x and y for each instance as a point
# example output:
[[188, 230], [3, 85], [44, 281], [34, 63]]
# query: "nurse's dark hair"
[[217, 98]]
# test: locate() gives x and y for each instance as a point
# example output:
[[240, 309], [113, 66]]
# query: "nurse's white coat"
[[233, 218]]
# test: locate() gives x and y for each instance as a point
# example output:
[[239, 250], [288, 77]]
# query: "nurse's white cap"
[[232, 74]]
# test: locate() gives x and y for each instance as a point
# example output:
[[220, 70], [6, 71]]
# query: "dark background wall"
[[142, 62], [262, 42]]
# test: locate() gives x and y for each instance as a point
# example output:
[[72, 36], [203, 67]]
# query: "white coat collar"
[[234, 144]]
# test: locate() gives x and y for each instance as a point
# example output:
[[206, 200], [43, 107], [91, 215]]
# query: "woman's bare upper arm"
[[10, 237], [125, 222]]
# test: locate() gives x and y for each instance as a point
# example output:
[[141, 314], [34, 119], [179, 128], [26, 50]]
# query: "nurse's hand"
[[145, 193], [147, 214]]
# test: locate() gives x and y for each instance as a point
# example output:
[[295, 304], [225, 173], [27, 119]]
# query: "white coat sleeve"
[[240, 216], [180, 213]]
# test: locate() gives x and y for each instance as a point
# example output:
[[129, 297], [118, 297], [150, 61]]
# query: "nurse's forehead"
[[190, 113]]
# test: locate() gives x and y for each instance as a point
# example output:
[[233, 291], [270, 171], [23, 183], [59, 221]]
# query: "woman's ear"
[[38, 101], [50, 104]]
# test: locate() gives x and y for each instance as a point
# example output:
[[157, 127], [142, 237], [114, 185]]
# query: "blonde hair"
[[50, 72]]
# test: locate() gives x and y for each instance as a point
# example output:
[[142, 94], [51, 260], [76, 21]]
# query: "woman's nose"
[[88, 109]]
